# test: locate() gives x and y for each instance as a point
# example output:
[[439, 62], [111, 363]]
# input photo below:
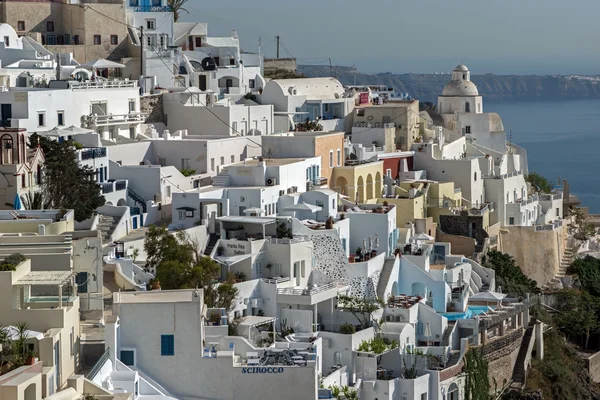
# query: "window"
[[468, 129], [232, 158], [251, 83], [232, 61], [475, 177], [162, 40], [467, 107], [67, 38], [39, 174], [388, 172], [60, 39], [511, 221], [339, 157], [132, 132], [114, 40], [50, 26], [21, 26], [131, 105], [189, 213], [61, 118], [23, 182], [333, 204], [151, 24], [41, 119], [242, 199], [72, 338], [6, 41], [330, 158], [50, 40], [185, 163], [127, 357], [212, 164], [360, 112], [97, 39], [76, 39], [222, 160], [557, 212]]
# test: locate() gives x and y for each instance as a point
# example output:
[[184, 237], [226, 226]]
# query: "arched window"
[[7, 149]]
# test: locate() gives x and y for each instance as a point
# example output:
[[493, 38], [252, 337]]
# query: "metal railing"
[[306, 292], [96, 368], [150, 8], [114, 186], [319, 181], [114, 84], [94, 120], [94, 152], [297, 239], [276, 280], [374, 125]]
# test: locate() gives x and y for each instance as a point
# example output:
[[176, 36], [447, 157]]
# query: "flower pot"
[[351, 259], [373, 253]]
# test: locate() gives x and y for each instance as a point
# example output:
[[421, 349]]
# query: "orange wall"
[[323, 145]]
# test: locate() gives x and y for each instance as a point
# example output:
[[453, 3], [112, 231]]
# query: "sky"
[[421, 36]]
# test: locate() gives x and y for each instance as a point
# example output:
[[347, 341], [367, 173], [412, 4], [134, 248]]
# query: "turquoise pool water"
[[470, 313]]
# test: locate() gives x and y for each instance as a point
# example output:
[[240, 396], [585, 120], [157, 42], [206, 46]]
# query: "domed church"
[[460, 94]]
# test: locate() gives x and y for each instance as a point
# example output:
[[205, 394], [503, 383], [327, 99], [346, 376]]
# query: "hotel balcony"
[[93, 121], [306, 296], [319, 181], [113, 186], [91, 153], [108, 84]]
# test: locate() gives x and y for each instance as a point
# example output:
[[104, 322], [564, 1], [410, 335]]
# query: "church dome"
[[461, 68], [460, 88]]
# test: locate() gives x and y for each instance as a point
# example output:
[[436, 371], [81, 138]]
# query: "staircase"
[[137, 199], [384, 277], [106, 226], [222, 179], [519, 372], [212, 242], [565, 262], [447, 333], [453, 359]]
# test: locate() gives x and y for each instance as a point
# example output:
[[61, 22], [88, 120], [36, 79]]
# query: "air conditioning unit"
[[271, 181], [294, 189]]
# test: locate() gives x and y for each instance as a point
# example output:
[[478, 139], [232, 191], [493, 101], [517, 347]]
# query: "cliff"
[[426, 87]]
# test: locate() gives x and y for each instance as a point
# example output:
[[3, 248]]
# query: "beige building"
[[47, 301], [360, 182], [404, 115], [89, 32]]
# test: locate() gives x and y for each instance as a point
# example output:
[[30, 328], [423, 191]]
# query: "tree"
[[583, 228], [176, 7], [361, 308], [538, 183], [588, 271], [161, 246], [66, 184], [579, 315], [509, 275], [476, 368]]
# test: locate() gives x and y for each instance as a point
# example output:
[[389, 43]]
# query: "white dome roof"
[[461, 68], [460, 88]]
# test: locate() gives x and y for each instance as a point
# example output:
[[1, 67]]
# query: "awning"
[[253, 320], [102, 63], [487, 296], [54, 278], [303, 207]]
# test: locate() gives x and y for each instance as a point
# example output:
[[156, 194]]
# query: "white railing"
[[274, 281], [374, 125], [103, 84], [306, 292], [113, 119], [298, 239]]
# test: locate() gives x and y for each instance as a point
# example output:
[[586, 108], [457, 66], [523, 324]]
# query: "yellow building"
[[444, 197], [360, 182]]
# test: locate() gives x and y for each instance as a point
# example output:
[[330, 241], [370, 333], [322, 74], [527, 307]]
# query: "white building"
[[202, 115], [316, 99], [111, 108]]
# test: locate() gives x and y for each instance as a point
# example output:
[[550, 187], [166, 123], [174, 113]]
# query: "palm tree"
[[177, 6]]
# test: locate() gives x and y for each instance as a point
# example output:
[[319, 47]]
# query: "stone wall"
[[593, 365], [458, 244], [459, 225], [288, 64], [501, 370], [537, 253], [502, 346], [153, 105]]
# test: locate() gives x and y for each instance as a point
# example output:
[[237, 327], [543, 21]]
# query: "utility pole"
[[142, 50], [277, 41], [330, 68]]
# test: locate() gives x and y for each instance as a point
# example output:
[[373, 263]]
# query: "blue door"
[[135, 222], [101, 179], [82, 282]]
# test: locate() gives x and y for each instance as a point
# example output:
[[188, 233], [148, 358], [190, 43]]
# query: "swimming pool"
[[470, 313]]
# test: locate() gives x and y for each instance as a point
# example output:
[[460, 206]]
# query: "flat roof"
[[156, 296], [45, 278], [270, 162], [250, 220], [253, 320]]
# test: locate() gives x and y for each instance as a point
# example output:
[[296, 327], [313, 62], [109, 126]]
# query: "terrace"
[[309, 296], [93, 121]]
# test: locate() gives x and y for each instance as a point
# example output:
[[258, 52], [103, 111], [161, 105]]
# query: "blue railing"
[[137, 198], [149, 8], [96, 368], [107, 187], [120, 185], [95, 152]]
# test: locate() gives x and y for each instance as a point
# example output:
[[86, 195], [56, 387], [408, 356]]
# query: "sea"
[[562, 141]]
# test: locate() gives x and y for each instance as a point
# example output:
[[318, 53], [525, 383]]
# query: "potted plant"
[[220, 250], [342, 216], [373, 253], [215, 318], [351, 259], [385, 203], [154, 284], [32, 357]]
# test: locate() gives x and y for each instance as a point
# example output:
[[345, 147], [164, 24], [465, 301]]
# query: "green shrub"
[[347, 329]]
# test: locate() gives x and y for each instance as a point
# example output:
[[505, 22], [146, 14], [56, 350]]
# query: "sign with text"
[[262, 370]]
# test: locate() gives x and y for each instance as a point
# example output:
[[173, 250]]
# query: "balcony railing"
[[150, 8], [276, 280], [92, 121], [319, 181], [306, 292], [297, 239], [115, 186], [94, 152], [374, 125], [114, 84]]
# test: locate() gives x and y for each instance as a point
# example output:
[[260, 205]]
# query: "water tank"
[[209, 64]]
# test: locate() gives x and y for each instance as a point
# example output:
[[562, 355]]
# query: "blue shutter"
[[81, 279], [167, 345]]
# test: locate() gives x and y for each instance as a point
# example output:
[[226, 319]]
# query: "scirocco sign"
[[262, 370]]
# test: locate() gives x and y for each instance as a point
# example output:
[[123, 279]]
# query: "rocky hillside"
[[426, 87]]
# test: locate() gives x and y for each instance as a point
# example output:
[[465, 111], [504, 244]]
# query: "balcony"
[[150, 8], [374, 125], [92, 121], [92, 153], [319, 181], [115, 186], [114, 84], [306, 296]]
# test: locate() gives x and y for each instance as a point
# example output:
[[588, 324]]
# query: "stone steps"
[[384, 278]]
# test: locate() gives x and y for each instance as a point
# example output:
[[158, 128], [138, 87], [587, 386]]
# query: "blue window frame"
[[167, 345]]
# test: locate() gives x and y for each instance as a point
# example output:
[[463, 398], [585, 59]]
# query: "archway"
[[418, 289], [395, 288], [108, 203], [121, 202], [30, 393], [369, 187], [453, 392], [341, 185], [378, 185], [360, 189]]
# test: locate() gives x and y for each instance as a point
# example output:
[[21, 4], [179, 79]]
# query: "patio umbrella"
[[376, 241], [428, 331], [75, 130], [17, 204], [370, 243], [364, 245], [13, 333]]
